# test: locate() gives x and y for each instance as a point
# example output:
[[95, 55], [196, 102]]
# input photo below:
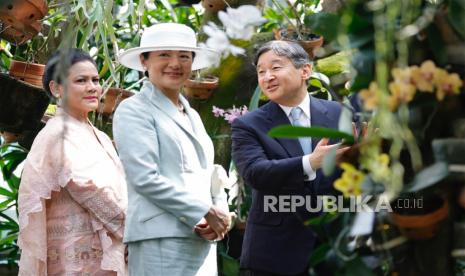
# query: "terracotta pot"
[[421, 227], [214, 5], [10, 137], [21, 19], [200, 89], [28, 72], [112, 99], [309, 45]]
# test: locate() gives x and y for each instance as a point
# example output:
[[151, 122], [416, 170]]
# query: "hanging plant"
[[200, 88], [28, 72], [20, 19]]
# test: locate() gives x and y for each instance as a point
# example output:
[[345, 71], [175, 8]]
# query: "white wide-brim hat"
[[168, 36]]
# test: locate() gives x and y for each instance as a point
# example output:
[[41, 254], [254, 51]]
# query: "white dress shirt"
[[304, 120]]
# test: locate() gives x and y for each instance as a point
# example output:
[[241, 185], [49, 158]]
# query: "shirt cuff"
[[309, 173]]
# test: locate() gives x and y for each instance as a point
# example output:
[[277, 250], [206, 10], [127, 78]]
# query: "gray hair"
[[292, 50]]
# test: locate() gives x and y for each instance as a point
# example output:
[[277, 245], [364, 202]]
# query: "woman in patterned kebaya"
[[72, 197]]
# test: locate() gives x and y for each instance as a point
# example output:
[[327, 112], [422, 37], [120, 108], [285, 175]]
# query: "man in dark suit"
[[278, 243]]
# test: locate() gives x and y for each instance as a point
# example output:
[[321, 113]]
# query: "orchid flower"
[[219, 41], [240, 22]]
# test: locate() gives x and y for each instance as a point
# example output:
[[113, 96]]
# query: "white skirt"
[[172, 257]]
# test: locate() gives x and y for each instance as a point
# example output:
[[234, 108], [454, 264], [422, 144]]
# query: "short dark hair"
[[71, 56], [146, 55], [292, 50]]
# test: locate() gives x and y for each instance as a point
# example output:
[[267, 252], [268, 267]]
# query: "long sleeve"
[[258, 170], [138, 145], [101, 203]]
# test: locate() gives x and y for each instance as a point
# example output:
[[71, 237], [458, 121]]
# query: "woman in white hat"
[[168, 159]]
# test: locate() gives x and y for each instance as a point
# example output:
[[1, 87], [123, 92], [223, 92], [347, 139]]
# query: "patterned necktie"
[[305, 142]]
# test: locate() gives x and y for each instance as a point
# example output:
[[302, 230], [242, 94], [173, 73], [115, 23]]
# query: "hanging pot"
[[28, 72], [21, 105], [200, 89], [425, 225], [310, 41], [20, 19], [10, 137], [214, 5], [112, 98]]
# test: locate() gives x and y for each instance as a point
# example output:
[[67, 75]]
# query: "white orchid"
[[240, 22], [219, 41]]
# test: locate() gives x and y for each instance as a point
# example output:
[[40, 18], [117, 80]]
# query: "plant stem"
[[276, 3], [296, 14]]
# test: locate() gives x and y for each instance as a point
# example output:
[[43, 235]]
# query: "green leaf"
[[13, 182], [255, 99], [6, 193], [345, 119], [326, 24], [323, 219], [356, 267], [456, 16], [5, 203], [6, 217], [230, 266], [319, 254], [359, 40], [315, 83], [8, 226], [429, 176], [288, 131], [437, 45], [329, 161], [9, 239]]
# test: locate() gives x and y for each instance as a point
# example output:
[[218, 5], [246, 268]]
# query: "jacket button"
[[183, 219]]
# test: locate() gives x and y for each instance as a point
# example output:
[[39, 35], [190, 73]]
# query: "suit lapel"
[[318, 114], [158, 99], [277, 117]]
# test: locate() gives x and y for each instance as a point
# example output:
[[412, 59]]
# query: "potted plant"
[[296, 29], [423, 221], [20, 19], [20, 23], [214, 5], [308, 40], [200, 87], [11, 156], [111, 99], [28, 72]]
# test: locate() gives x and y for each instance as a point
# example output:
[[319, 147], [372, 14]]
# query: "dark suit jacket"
[[278, 242]]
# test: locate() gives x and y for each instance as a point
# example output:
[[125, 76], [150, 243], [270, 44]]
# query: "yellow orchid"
[[380, 168], [404, 92], [370, 96], [423, 76], [426, 78], [402, 75], [393, 102], [446, 83], [350, 183]]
